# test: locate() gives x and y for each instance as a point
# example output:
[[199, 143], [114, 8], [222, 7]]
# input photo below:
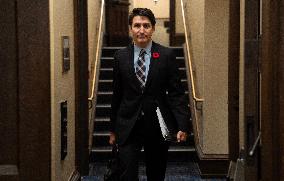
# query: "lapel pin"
[[156, 55]]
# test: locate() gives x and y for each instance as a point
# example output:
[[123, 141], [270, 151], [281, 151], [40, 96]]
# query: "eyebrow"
[[142, 24]]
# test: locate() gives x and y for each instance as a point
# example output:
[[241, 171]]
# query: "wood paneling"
[[81, 87], [233, 79], [117, 31], [34, 90], [8, 84], [175, 38], [281, 89], [271, 96]]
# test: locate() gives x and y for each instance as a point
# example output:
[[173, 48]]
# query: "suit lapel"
[[131, 67], [153, 63]]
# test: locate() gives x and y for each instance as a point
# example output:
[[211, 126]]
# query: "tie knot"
[[142, 52]]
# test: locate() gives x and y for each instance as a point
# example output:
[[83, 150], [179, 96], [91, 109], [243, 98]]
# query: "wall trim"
[[217, 168], [212, 165]]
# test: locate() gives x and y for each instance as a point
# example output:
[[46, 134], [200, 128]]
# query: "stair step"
[[181, 153], [109, 51], [101, 124], [106, 73], [100, 138], [103, 110], [105, 85], [104, 97], [107, 62]]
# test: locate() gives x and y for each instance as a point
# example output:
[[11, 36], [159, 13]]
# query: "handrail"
[[252, 151], [97, 53], [188, 55]]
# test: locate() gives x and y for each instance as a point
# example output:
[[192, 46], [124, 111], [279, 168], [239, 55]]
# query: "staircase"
[[101, 150]]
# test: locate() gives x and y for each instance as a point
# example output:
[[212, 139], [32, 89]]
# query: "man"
[[145, 78]]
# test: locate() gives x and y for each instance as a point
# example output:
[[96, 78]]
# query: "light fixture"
[[155, 1]]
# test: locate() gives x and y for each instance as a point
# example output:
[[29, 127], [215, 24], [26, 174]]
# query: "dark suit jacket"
[[163, 88]]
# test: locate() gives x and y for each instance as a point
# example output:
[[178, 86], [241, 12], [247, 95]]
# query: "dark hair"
[[142, 12]]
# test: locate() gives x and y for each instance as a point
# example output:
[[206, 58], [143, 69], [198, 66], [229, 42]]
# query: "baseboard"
[[212, 165], [217, 168], [75, 176]]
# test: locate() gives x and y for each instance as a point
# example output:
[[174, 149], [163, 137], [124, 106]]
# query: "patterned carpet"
[[175, 172]]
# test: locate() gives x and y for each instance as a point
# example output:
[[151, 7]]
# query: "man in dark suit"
[[145, 78]]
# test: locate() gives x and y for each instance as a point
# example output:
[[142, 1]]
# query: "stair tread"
[[103, 105], [111, 92], [105, 92], [102, 119], [171, 148], [107, 58], [106, 69], [105, 80], [101, 133]]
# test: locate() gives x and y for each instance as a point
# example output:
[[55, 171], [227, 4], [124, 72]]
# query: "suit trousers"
[[145, 134]]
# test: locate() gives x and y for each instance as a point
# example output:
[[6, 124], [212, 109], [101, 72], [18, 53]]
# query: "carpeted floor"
[[176, 171]]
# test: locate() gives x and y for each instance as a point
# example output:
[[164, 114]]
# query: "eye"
[[146, 26], [136, 25]]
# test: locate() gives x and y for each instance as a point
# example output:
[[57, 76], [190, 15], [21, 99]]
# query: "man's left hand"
[[181, 136]]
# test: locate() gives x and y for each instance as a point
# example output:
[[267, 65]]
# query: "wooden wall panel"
[[34, 90], [270, 90], [233, 78], [281, 90], [8, 92], [81, 86]]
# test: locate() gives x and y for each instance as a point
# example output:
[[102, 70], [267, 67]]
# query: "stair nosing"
[[105, 92], [107, 58], [103, 105], [102, 119], [106, 69], [105, 80], [101, 133], [109, 148]]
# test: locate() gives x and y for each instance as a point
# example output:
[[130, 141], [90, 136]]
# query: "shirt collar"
[[147, 48]]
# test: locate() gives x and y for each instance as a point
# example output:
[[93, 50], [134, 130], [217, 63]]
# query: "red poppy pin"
[[156, 55]]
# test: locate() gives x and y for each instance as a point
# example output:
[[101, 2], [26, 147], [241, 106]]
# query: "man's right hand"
[[111, 138]]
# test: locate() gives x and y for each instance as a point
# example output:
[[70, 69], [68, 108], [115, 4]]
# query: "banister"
[[97, 54], [252, 151], [90, 99], [189, 57]]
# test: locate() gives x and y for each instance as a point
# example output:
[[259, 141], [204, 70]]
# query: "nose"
[[142, 29]]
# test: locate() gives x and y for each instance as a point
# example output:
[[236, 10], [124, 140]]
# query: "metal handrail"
[[189, 57], [97, 53], [252, 151]]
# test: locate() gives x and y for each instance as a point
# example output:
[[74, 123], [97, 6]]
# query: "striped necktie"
[[141, 68]]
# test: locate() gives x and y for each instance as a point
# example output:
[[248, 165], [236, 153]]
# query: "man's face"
[[141, 30]]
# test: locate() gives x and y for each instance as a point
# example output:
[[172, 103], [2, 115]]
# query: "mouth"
[[141, 37]]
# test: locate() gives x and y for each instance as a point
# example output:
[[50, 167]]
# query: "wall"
[[208, 31], [216, 77], [178, 18], [62, 87]]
